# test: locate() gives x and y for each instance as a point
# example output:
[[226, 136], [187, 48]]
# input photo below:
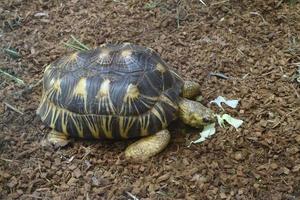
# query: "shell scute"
[[114, 91]]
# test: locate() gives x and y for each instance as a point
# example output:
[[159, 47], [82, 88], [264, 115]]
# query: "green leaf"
[[208, 131], [236, 123], [231, 102]]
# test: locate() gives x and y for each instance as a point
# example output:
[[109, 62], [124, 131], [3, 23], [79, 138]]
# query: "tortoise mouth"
[[194, 113]]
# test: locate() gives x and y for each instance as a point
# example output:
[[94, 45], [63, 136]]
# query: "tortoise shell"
[[111, 92]]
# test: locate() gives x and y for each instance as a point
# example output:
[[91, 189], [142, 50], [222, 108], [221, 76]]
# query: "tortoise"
[[118, 91]]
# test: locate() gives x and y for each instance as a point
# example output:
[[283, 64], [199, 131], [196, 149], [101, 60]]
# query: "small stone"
[[43, 175], [214, 190], [59, 172], [13, 182], [47, 163], [238, 155], [163, 177], [64, 186], [87, 187], [142, 168], [95, 181], [80, 198], [223, 195], [203, 179], [195, 177], [296, 168], [250, 60], [273, 165], [269, 140], [72, 167], [72, 181], [286, 170], [99, 190], [20, 192], [252, 138], [77, 173], [13, 196], [5, 175], [257, 176], [262, 167], [271, 115], [57, 161], [297, 138], [263, 123], [256, 185], [240, 191], [292, 150], [192, 171], [257, 134]]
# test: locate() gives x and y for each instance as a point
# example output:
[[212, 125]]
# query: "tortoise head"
[[194, 113]]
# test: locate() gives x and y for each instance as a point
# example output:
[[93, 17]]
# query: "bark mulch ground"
[[256, 44]]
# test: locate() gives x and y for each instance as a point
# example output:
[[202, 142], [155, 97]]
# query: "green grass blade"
[[12, 53], [76, 44], [19, 81]]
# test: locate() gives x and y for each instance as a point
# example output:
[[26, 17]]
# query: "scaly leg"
[[58, 139], [149, 146]]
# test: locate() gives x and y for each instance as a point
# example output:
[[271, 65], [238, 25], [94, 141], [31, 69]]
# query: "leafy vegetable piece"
[[231, 102], [207, 131], [220, 121], [236, 123]]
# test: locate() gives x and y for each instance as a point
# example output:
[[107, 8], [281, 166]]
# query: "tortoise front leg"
[[190, 89], [58, 139], [149, 146]]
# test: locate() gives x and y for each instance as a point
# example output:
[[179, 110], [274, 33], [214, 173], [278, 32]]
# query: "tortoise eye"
[[206, 120]]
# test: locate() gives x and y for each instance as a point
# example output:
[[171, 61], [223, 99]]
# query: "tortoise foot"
[[147, 147], [58, 139]]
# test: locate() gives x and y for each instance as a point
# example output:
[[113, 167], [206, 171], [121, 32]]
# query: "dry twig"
[[132, 196], [13, 108]]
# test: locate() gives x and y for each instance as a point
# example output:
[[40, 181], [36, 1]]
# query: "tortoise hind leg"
[[190, 89], [58, 139], [148, 146]]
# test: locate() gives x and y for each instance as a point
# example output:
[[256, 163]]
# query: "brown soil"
[[255, 43]]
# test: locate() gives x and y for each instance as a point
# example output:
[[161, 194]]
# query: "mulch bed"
[[254, 43]]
